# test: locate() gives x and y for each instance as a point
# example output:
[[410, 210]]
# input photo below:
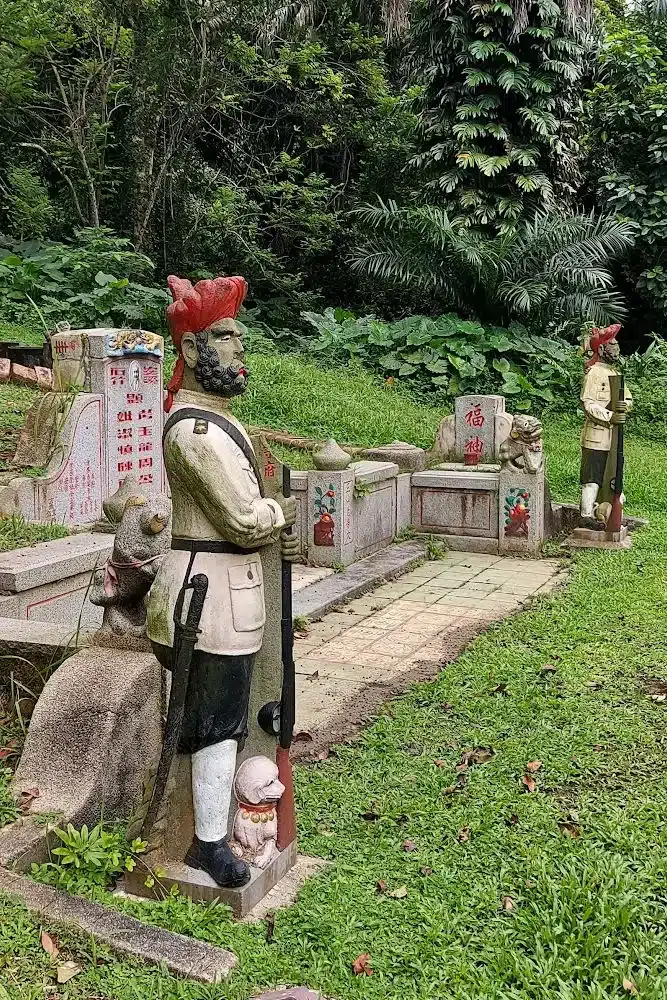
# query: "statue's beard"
[[212, 377]]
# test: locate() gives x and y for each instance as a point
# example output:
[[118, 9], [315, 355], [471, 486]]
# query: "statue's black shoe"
[[592, 523], [217, 860]]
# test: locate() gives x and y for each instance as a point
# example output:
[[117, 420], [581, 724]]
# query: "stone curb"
[[318, 598], [36, 377], [125, 936]]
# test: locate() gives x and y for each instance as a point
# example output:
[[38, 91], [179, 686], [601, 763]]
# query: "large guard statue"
[[606, 401], [220, 520]]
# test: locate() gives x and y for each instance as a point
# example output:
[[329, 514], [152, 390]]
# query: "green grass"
[[588, 912], [15, 401], [15, 533]]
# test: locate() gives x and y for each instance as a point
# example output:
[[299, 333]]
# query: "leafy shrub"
[[453, 356], [646, 373], [90, 282], [89, 858]]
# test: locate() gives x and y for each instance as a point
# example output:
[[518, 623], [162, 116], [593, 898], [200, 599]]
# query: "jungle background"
[[447, 193]]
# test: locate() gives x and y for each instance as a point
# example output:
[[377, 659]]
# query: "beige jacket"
[[215, 496], [595, 399]]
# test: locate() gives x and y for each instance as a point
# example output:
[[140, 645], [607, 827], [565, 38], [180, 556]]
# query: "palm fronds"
[[555, 268]]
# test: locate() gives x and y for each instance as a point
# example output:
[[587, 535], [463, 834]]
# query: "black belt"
[[195, 545]]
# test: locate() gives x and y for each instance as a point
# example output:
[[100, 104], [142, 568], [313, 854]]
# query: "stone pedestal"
[[352, 513], [589, 538], [521, 511]]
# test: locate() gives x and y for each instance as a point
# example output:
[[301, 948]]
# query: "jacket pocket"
[[247, 596]]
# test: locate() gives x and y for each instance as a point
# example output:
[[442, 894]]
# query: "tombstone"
[[475, 428], [102, 423]]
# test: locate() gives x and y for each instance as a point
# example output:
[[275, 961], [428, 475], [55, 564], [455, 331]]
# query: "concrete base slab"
[[201, 888], [589, 538], [285, 892], [125, 936]]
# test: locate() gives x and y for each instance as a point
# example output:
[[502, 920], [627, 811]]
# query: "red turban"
[[600, 337], [196, 308]]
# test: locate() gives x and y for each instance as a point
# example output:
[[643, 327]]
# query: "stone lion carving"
[[523, 449], [121, 586]]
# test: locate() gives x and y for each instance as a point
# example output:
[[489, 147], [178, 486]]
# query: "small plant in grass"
[[89, 858], [15, 532], [301, 623], [405, 534], [337, 566], [434, 548]]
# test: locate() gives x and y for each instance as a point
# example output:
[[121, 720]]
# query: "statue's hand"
[[289, 546], [619, 417], [288, 505]]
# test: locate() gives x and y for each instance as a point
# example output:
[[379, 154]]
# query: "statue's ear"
[[189, 349]]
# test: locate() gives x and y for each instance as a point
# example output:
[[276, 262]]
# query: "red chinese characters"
[[473, 450], [134, 397], [150, 375], [124, 416], [475, 417], [117, 376]]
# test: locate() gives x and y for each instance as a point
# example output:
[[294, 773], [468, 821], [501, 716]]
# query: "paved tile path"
[[378, 642]]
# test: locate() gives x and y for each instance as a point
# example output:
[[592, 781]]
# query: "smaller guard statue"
[[606, 401]]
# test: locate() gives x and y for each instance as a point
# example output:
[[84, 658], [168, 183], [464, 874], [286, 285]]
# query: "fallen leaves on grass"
[[270, 923], [533, 766], [446, 707], [399, 893], [463, 835], [512, 821], [547, 668], [570, 829], [440, 763], [409, 845], [67, 971], [630, 987], [479, 755], [362, 965], [507, 904], [370, 816], [381, 887], [10, 750], [51, 945], [499, 689], [424, 870], [529, 783], [26, 798]]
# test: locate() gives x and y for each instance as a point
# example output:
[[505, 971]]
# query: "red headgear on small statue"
[[600, 337], [196, 308]]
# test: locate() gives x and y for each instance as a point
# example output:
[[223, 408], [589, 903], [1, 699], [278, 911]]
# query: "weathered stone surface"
[[37, 437], [331, 517], [521, 510], [456, 503], [44, 378], [406, 456], [330, 457], [126, 936], [293, 993], [475, 427], [5, 369], [403, 501], [36, 565], [374, 472], [120, 587], [63, 602], [94, 736], [24, 375], [444, 446], [357, 579], [28, 649]]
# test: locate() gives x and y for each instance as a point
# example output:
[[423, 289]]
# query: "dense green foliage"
[[500, 103], [626, 151], [454, 356]]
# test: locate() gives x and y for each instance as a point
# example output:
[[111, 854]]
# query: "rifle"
[[185, 640], [285, 809], [615, 522]]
